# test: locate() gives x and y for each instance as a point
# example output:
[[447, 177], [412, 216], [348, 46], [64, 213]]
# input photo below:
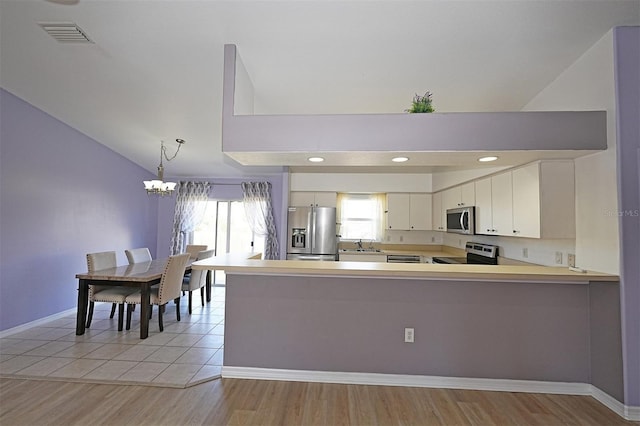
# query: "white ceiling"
[[154, 71]]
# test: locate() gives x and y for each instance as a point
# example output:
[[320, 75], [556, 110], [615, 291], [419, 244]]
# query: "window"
[[361, 216]]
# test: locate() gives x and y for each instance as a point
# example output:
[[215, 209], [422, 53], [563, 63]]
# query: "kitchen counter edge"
[[248, 264]]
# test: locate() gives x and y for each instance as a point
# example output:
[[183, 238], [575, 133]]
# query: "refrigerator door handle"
[[313, 230]]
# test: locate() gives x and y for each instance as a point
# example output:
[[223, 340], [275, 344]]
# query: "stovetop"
[[450, 260]]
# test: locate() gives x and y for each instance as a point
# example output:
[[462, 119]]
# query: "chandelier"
[[159, 186]]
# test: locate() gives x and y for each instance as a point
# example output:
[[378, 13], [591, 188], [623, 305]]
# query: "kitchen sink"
[[363, 250]]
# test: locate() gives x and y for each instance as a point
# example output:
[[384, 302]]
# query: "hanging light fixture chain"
[[164, 150]]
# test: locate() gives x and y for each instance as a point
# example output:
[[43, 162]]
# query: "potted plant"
[[421, 104]]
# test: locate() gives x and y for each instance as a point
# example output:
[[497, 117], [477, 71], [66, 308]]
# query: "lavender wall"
[[499, 330], [226, 189], [627, 72], [62, 195]]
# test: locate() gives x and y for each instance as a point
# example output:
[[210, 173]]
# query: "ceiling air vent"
[[65, 32]]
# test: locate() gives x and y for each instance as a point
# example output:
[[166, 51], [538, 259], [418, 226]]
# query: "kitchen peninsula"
[[479, 326]]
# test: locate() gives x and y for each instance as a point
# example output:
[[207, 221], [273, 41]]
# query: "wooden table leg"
[[83, 301], [144, 310], [208, 285]]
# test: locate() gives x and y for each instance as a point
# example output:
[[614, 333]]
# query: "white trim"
[[35, 323], [499, 385]]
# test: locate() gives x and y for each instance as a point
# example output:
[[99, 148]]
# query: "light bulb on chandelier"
[[159, 186]]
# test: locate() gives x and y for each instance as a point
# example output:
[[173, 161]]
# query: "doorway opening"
[[225, 228]]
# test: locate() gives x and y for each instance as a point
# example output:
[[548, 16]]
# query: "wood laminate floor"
[[257, 402]]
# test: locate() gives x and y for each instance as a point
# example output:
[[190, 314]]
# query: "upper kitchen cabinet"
[[438, 213], [459, 196], [318, 199], [534, 201], [544, 200], [409, 211]]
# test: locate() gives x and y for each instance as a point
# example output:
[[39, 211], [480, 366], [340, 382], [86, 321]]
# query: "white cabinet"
[[420, 212], [494, 205], [484, 210], [544, 200], [398, 216], [502, 204], [306, 198], [459, 196], [534, 201], [362, 257], [439, 221], [409, 211]]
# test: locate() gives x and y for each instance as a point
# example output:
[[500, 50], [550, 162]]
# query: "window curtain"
[[190, 209], [259, 211], [361, 216]]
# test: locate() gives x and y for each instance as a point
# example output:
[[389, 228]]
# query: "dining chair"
[[194, 250], [166, 291], [138, 255], [108, 294], [197, 279]]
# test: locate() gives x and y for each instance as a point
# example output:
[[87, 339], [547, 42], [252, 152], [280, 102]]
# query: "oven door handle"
[[462, 221]]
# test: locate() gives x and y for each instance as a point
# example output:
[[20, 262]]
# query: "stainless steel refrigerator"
[[312, 234]]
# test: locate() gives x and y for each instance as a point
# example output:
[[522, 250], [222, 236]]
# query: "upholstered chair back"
[[138, 255], [198, 276], [194, 249], [99, 261], [171, 281]]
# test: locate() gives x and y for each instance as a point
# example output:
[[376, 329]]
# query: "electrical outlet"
[[559, 257], [388, 237], [433, 239], [459, 243], [571, 260], [401, 238], [409, 335], [525, 252]]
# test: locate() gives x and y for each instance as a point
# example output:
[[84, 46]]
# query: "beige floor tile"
[[167, 354], [78, 368], [178, 327], [45, 366], [184, 340], [137, 353], [5, 357], [200, 328], [79, 349], [159, 339], [214, 341], [207, 372], [19, 347], [196, 356], [62, 323], [218, 329], [88, 336], [28, 334], [108, 351], [18, 363], [54, 334], [217, 358], [111, 370], [144, 372], [179, 374], [50, 348]]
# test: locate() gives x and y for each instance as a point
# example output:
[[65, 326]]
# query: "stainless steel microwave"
[[461, 221]]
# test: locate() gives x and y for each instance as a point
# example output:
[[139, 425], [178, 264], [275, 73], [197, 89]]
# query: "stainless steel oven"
[[403, 258]]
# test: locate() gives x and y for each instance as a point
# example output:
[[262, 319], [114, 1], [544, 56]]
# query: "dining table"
[[141, 275]]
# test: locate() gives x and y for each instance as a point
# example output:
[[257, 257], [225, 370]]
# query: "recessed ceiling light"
[[316, 159], [487, 159], [400, 159]]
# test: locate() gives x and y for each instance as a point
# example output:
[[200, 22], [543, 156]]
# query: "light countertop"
[[243, 263]]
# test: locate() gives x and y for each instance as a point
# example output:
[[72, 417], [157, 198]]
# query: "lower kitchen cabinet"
[[363, 257]]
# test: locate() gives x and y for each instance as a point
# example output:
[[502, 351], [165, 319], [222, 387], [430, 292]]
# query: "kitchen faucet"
[[359, 243]]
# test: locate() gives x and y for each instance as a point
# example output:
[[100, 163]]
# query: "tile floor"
[[184, 354]]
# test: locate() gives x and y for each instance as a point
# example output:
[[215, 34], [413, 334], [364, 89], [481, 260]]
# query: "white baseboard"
[[41, 321], [499, 385]]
